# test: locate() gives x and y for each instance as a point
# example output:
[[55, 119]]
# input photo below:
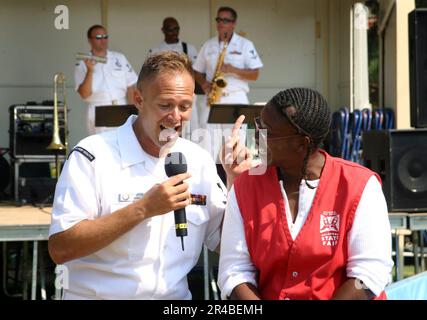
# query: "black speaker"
[[34, 183], [418, 67], [400, 158], [36, 190], [5, 174], [30, 130]]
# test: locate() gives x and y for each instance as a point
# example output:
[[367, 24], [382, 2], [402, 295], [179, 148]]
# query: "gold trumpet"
[[56, 144]]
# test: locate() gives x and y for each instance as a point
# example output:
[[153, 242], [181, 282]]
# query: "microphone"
[[84, 56], [175, 163]]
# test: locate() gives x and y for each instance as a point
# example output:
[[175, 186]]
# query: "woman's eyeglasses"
[[259, 126]]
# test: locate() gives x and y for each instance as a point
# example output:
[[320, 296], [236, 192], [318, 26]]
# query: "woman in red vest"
[[312, 226]]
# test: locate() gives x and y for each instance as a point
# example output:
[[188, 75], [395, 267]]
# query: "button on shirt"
[[147, 262], [109, 83], [241, 53]]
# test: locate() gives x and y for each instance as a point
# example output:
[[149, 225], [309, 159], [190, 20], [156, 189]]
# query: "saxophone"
[[218, 81]]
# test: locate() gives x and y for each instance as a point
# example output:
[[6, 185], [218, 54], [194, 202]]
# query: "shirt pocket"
[[118, 73], [197, 215], [236, 60]]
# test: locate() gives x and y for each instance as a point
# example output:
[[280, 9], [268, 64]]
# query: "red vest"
[[314, 265]]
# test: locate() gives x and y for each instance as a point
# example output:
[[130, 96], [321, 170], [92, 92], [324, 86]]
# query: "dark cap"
[[312, 116]]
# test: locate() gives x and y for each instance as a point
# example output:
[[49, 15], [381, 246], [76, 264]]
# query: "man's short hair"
[[312, 116], [169, 19], [95, 26], [229, 9], [162, 62]]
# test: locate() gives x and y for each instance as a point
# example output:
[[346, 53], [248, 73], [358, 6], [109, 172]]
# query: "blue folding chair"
[[378, 119], [340, 137], [388, 119], [345, 150], [356, 136], [366, 119], [366, 126]]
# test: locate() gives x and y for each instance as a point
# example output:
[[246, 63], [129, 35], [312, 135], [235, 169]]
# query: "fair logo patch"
[[329, 228]]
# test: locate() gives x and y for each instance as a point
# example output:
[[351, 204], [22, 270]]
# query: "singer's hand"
[[235, 156], [168, 196], [90, 64]]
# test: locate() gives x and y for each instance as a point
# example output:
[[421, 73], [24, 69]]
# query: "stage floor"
[[26, 223], [24, 215]]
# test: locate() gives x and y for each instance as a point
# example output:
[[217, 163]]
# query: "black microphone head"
[[175, 163]]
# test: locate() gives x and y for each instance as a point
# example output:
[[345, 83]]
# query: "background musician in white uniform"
[[107, 83], [241, 64], [170, 29]]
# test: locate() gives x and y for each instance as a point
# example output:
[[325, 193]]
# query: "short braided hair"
[[312, 117]]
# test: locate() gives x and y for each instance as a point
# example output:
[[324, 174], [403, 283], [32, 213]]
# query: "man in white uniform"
[[109, 83], [241, 64], [112, 219], [170, 29]]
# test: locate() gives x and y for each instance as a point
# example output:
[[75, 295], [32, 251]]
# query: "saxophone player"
[[240, 64]]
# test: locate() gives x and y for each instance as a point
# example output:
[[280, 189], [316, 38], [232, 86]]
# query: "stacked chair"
[[347, 129]]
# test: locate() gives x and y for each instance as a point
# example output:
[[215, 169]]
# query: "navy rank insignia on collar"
[[84, 152], [198, 199]]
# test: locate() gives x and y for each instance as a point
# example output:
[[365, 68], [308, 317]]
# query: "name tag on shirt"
[[130, 197]]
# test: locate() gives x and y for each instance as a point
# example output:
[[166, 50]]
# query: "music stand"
[[228, 113], [114, 115]]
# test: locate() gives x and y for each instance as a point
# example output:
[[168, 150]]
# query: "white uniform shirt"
[[147, 262], [369, 240], [109, 84], [240, 53], [177, 47]]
